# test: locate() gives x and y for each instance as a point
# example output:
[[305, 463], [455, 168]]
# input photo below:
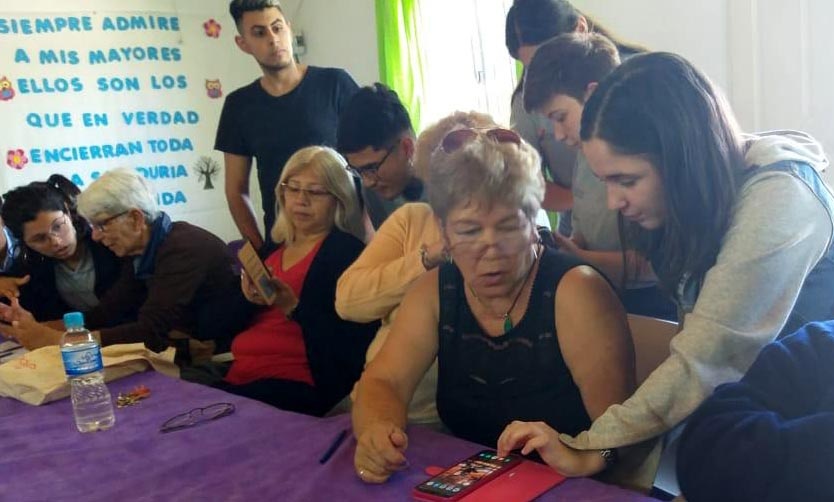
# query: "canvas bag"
[[38, 377]]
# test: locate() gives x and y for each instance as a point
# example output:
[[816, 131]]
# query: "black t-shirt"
[[270, 129], [485, 382]]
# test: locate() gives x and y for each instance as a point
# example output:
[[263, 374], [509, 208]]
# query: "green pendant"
[[508, 323]]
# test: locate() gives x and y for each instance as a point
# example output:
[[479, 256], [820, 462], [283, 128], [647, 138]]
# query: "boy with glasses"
[[376, 137]]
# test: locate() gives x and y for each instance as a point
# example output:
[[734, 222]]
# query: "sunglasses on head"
[[454, 140]]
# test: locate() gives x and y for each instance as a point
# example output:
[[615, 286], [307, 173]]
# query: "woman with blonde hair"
[[297, 354]]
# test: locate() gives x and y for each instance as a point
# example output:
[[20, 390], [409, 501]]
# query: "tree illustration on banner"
[[207, 168]]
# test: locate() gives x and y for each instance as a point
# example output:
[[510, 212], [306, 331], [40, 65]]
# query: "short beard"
[[277, 68]]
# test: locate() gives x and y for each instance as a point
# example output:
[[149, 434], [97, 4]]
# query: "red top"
[[273, 346]]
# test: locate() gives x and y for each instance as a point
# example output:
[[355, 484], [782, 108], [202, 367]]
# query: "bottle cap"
[[73, 320]]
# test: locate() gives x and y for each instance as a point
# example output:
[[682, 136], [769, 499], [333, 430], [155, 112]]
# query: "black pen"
[[334, 446]]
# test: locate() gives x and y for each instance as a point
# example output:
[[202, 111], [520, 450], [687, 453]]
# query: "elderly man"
[[178, 275]]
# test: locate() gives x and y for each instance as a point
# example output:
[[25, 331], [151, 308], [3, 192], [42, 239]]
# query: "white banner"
[[84, 92]]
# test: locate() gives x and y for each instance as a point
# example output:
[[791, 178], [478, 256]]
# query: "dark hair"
[[533, 22], [239, 7], [566, 65], [659, 107], [374, 117], [55, 194]]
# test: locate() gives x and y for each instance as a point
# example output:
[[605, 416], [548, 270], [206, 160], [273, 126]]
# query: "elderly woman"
[[179, 275], [298, 354], [61, 267], [491, 316]]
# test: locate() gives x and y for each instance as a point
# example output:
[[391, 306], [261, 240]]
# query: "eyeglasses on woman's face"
[[295, 190], [58, 229], [472, 240]]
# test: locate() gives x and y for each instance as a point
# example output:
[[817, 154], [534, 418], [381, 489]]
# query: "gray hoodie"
[[780, 235]]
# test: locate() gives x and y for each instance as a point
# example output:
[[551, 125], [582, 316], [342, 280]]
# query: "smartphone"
[[257, 271], [466, 476]]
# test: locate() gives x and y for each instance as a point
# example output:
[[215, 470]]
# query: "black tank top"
[[486, 382]]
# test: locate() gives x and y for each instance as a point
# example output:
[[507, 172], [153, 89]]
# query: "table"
[[257, 453]]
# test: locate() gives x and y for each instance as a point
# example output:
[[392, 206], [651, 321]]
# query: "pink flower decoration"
[[16, 158], [212, 28]]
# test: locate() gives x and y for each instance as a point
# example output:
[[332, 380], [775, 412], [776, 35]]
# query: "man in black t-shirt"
[[291, 106], [377, 139]]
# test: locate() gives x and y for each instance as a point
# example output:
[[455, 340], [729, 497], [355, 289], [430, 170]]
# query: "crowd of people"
[[414, 284]]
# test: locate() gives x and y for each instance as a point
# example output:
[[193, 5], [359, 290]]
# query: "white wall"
[[340, 33], [202, 58], [694, 29], [771, 57]]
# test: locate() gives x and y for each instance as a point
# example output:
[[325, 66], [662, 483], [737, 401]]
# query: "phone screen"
[[468, 473], [257, 271]]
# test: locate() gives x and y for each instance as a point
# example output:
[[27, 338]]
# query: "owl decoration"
[[213, 88], [6, 90]]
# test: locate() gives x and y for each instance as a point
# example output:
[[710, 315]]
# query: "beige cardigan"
[[373, 287]]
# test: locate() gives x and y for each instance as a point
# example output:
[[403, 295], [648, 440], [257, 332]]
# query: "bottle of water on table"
[[81, 353]]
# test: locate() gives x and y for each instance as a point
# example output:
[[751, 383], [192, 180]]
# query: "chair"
[[651, 338]]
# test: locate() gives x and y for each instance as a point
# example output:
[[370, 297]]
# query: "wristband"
[[609, 456], [424, 254]]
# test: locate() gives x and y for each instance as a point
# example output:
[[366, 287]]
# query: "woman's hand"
[[567, 244], [544, 439], [285, 298], [250, 291], [10, 286], [19, 324], [436, 254], [380, 452]]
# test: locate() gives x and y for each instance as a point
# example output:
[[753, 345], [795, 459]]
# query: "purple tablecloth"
[[258, 453]]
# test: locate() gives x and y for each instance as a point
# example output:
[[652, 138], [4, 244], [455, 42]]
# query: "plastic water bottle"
[[81, 353]]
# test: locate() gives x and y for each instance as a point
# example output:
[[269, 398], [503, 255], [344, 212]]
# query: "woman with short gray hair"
[[491, 315]]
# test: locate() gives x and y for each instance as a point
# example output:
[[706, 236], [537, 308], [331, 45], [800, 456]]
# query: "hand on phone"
[[283, 296], [250, 291], [380, 452], [545, 440]]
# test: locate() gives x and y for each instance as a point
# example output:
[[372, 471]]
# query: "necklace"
[[508, 321]]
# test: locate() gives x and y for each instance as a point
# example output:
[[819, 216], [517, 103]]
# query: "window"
[[466, 63]]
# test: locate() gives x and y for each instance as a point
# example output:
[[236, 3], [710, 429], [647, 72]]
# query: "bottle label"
[[81, 359]]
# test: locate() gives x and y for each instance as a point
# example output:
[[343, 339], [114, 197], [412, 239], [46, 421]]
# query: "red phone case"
[[522, 484]]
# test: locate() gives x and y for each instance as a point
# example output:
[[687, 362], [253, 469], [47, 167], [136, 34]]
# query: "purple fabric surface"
[[258, 453]]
